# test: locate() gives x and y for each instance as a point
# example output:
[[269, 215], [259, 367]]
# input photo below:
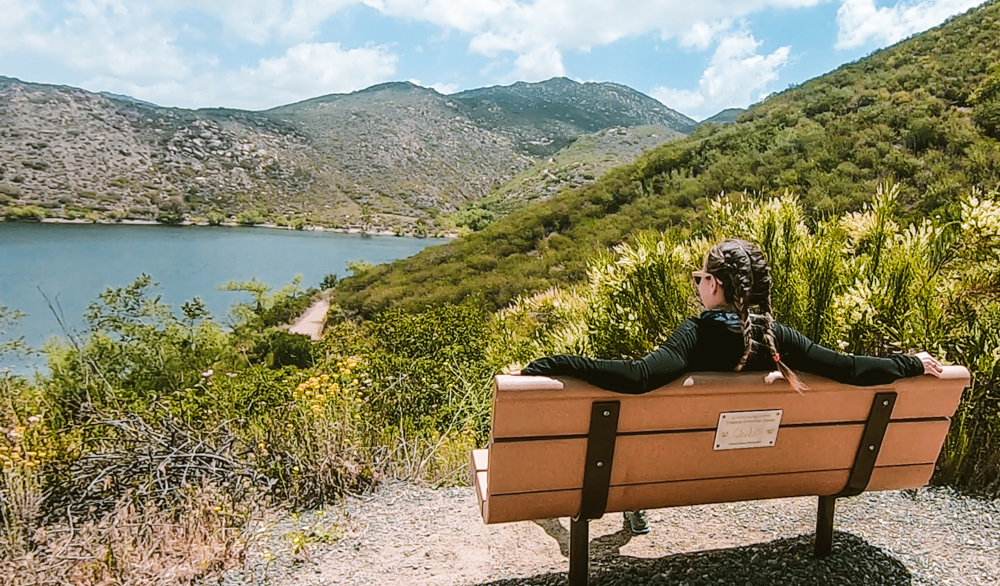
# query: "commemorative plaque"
[[747, 429]]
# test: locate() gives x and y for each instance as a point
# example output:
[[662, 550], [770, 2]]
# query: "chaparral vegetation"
[[186, 433], [159, 438]]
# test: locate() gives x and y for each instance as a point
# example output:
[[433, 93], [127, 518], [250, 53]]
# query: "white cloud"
[[157, 47], [539, 32], [322, 68], [261, 21], [736, 77], [304, 71], [539, 64], [460, 15], [16, 15], [861, 22], [107, 38], [701, 35]]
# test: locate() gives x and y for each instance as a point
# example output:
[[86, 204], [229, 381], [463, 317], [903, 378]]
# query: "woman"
[[734, 278]]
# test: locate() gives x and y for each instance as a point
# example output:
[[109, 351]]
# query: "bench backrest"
[[666, 455]]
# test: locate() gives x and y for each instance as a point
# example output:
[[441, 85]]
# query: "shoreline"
[[266, 225]]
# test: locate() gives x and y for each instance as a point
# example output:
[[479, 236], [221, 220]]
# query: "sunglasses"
[[698, 276]]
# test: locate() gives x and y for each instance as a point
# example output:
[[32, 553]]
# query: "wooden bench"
[[562, 448]]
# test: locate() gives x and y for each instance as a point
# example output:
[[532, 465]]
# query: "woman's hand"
[[931, 365]]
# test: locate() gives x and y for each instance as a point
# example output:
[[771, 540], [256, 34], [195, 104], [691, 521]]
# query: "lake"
[[72, 264]]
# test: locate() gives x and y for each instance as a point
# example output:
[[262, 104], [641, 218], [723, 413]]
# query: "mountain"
[[727, 116], [395, 156], [924, 114], [542, 118]]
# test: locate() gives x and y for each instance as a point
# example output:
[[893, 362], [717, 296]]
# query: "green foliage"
[[551, 322], [8, 319], [986, 112], [473, 218], [269, 308], [278, 348], [136, 350], [36, 165], [359, 267], [25, 213], [251, 218], [430, 369], [638, 294], [328, 282]]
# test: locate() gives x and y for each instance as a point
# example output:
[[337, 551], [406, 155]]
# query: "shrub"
[[986, 98], [25, 214], [251, 218], [328, 282], [867, 282], [135, 352], [279, 349]]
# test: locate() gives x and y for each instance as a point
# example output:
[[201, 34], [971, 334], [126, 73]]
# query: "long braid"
[[788, 374], [745, 282], [744, 314]]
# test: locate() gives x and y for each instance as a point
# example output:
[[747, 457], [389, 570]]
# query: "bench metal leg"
[[579, 552], [824, 525]]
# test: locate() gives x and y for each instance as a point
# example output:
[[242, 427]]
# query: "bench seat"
[[664, 442]]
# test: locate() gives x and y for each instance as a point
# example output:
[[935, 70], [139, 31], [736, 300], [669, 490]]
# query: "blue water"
[[73, 264]]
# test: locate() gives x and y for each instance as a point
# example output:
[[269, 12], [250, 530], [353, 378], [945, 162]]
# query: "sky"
[[697, 57]]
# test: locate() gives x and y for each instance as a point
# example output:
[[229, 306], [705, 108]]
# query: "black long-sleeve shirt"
[[714, 342]]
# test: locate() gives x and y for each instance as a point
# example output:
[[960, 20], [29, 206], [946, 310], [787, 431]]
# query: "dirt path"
[[312, 321], [406, 534]]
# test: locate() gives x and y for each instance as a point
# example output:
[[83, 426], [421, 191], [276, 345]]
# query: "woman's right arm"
[[632, 377], [802, 354]]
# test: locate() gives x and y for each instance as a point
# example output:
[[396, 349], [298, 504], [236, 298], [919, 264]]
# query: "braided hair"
[[742, 270]]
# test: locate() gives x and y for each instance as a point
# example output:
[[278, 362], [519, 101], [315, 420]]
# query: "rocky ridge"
[[393, 157], [542, 118]]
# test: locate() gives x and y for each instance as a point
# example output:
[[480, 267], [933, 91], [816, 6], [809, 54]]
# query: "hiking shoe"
[[638, 522]]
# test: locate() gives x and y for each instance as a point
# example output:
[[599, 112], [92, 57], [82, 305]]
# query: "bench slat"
[[565, 503], [531, 406], [558, 464]]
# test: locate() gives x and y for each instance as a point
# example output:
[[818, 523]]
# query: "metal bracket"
[[861, 471], [596, 482], [871, 444], [600, 456]]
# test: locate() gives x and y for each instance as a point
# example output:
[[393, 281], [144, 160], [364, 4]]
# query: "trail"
[[311, 322]]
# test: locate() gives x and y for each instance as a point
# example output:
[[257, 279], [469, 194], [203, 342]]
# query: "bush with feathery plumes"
[[863, 283]]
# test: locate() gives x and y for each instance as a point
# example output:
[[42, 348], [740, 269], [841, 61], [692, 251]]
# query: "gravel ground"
[[407, 534]]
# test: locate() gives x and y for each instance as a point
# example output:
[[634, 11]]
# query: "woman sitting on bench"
[[734, 278]]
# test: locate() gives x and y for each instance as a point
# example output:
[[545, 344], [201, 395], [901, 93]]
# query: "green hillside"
[[924, 113], [586, 160]]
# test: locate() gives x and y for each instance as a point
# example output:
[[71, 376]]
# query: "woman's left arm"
[[801, 353], [632, 377]]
